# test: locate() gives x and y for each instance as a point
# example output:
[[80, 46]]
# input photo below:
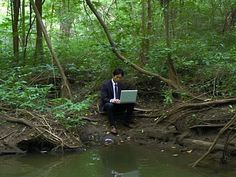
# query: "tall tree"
[[39, 37], [165, 4], [31, 22], [66, 19], [23, 28], [65, 89], [146, 29], [149, 23], [143, 52], [15, 9]]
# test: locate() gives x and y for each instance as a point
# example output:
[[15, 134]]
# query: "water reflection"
[[111, 161], [120, 161], [28, 165]]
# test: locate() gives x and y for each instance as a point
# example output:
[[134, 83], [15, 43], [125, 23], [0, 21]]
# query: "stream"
[[110, 161]]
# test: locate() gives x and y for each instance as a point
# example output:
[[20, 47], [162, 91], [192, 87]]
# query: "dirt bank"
[[186, 131], [194, 132]]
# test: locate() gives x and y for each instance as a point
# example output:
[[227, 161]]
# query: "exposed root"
[[201, 105], [182, 110], [2, 138], [43, 127], [226, 127]]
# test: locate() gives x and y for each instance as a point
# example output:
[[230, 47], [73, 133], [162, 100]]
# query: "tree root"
[[202, 105], [2, 138], [226, 127], [46, 128], [174, 114]]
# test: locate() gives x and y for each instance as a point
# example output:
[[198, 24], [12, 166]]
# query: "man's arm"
[[104, 93]]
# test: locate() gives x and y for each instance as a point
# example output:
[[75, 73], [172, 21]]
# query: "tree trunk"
[[52, 15], [23, 29], [66, 19], [170, 65], [39, 38], [146, 30], [15, 6], [65, 89], [31, 22], [143, 53], [149, 25]]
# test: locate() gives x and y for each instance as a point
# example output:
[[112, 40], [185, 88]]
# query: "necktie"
[[116, 91]]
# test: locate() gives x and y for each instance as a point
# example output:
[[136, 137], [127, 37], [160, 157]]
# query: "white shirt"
[[114, 93]]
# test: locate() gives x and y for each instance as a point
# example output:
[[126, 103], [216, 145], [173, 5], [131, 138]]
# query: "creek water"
[[110, 161]]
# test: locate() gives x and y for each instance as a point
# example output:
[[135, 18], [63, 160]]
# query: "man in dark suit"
[[110, 100]]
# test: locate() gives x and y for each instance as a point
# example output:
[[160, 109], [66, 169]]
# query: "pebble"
[[108, 141]]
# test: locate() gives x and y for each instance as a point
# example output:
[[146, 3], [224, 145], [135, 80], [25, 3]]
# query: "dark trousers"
[[112, 109]]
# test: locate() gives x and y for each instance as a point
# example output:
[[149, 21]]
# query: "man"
[[110, 103]]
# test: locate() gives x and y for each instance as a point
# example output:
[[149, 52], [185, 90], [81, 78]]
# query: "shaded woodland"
[[180, 54]]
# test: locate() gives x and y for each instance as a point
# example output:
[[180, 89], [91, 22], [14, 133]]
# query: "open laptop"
[[128, 96]]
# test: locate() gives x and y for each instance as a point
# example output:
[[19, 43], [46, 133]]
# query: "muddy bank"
[[25, 132], [191, 133]]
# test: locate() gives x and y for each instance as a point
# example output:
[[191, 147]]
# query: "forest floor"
[[182, 129]]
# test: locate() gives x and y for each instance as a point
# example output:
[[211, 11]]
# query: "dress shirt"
[[114, 92]]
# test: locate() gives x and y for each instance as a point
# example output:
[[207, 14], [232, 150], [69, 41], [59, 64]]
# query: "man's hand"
[[115, 101]]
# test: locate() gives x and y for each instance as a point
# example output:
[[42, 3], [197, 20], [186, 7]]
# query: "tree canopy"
[[187, 43]]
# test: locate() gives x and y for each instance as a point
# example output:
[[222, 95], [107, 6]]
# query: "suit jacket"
[[107, 92]]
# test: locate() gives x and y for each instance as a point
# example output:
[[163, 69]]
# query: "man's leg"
[[109, 108], [129, 112]]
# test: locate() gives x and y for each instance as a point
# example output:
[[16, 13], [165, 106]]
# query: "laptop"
[[128, 96]]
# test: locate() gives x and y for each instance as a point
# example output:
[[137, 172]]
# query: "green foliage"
[[15, 93], [69, 113], [203, 60], [203, 56], [168, 98]]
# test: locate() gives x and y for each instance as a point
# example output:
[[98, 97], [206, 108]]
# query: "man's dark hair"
[[118, 71]]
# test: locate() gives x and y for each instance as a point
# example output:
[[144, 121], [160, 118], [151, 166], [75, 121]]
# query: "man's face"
[[117, 78]]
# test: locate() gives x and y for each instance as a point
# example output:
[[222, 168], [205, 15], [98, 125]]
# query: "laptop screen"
[[128, 96]]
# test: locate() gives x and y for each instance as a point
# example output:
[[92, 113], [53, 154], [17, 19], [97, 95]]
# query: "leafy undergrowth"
[[17, 92]]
